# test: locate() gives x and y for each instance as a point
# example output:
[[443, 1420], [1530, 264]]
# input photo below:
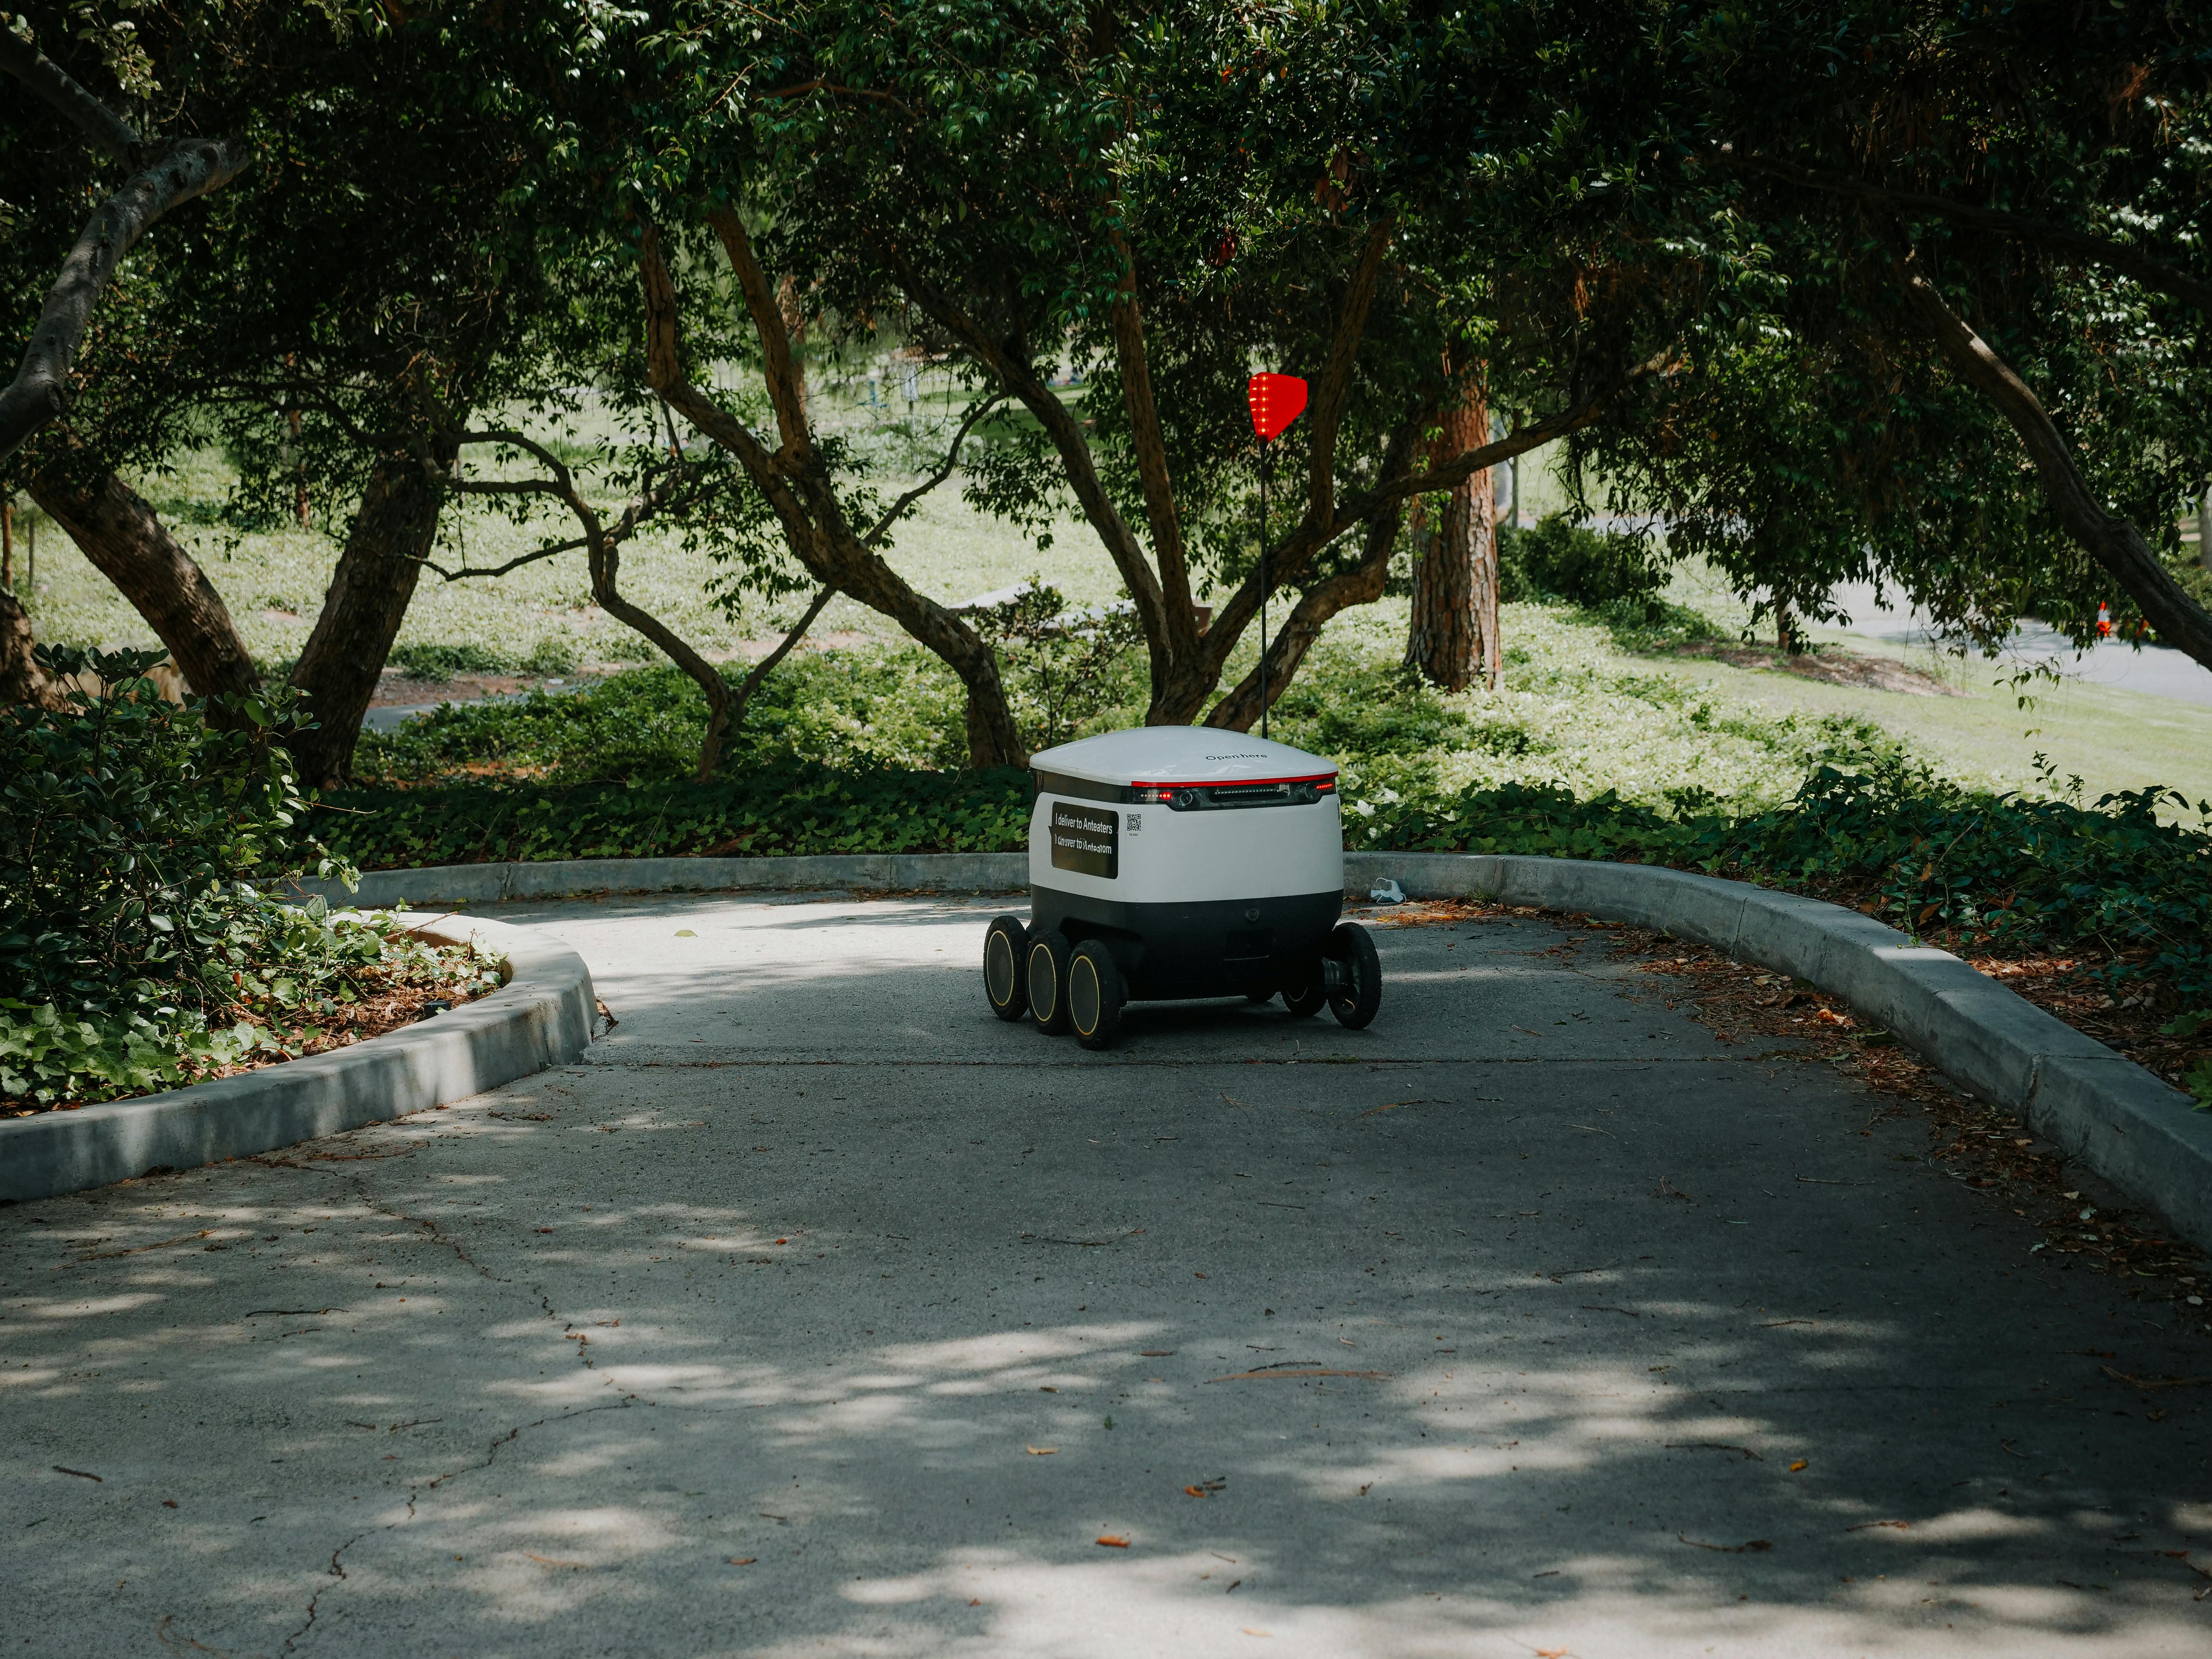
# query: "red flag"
[[1277, 400]]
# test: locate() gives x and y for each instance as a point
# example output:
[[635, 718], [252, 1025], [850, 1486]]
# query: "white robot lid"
[[1180, 754]]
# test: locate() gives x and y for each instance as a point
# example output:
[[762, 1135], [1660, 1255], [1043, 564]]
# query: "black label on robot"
[[1086, 839]]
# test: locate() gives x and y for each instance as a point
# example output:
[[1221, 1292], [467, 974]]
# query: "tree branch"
[[603, 551], [766, 666], [61, 92], [568, 546], [800, 491], [1150, 452], [786, 387], [1322, 523], [505, 487], [1067, 434], [1336, 388], [821, 83], [2081, 244], [1306, 543], [898, 507], [39, 391], [663, 370], [2110, 540]]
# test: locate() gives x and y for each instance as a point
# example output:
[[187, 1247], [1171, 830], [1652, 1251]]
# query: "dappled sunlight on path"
[[1412, 1350]]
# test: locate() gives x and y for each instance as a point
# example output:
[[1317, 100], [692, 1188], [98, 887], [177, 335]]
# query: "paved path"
[[819, 1313]]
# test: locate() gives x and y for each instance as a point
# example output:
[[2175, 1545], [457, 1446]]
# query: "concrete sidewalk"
[[819, 1312]]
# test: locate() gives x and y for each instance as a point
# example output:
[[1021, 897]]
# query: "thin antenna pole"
[[1263, 587]]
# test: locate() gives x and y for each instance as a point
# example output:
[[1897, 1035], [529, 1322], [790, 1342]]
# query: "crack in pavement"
[[434, 1234], [336, 1573]]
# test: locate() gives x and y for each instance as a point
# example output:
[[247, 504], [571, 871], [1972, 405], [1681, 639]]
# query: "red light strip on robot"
[[1326, 780]]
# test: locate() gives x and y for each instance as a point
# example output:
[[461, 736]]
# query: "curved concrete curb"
[[541, 1016], [2098, 1106], [493, 883]]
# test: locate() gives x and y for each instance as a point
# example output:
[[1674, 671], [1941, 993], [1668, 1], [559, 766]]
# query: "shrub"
[[860, 711], [1067, 673], [1561, 560], [135, 949], [443, 662], [125, 823]]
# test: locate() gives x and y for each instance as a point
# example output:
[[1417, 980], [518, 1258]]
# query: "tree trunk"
[[1445, 638], [123, 537], [22, 679], [1489, 641], [368, 600]]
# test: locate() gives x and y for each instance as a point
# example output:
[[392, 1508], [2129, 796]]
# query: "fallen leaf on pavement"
[[1798, 1465], [1751, 1546], [1389, 1105], [1042, 1451], [1113, 1543], [2156, 1382], [1901, 1526], [1154, 1353], [743, 1560]]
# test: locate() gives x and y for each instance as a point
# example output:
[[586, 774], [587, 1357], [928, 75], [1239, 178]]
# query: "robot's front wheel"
[[1352, 974], [1048, 981], [1005, 958], [1094, 995]]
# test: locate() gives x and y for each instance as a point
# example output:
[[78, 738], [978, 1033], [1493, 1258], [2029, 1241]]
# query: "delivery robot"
[[1171, 862]]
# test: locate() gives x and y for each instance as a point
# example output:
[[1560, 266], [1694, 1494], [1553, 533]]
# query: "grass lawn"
[[1571, 704], [2111, 738]]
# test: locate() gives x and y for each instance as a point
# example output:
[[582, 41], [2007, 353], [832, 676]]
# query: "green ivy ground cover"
[[760, 812]]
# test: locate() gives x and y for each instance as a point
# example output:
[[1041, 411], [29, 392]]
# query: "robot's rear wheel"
[[1005, 960]]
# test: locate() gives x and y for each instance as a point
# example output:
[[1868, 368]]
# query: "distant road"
[[2157, 670]]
